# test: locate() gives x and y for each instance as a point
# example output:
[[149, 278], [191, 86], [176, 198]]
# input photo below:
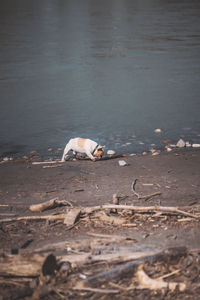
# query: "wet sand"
[[84, 183]]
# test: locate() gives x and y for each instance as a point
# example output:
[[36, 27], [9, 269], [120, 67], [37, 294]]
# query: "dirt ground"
[[175, 175]]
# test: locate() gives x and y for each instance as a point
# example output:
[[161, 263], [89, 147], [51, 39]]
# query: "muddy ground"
[[83, 183]]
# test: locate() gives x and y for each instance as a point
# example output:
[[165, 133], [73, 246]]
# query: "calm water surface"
[[110, 70]]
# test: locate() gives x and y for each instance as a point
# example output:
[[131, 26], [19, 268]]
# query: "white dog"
[[86, 146]]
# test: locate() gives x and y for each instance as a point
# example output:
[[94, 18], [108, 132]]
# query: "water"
[[110, 70]]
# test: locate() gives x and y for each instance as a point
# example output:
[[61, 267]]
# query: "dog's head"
[[99, 151]]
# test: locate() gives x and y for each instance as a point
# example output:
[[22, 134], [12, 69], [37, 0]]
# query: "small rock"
[[132, 154], [6, 159], [180, 144], [187, 144], [144, 153], [168, 149], [110, 152], [156, 153], [195, 145], [33, 152], [158, 130], [122, 163]]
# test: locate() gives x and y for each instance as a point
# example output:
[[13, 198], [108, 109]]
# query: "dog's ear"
[[102, 147]]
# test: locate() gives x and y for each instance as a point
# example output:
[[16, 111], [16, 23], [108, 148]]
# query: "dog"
[[86, 146]]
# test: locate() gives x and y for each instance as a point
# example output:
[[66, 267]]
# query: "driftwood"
[[35, 218], [90, 210], [77, 260], [46, 162], [140, 209], [49, 204], [168, 255], [72, 216], [156, 284], [27, 265]]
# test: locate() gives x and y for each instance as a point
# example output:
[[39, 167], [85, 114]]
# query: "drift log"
[[27, 265], [168, 255], [48, 205]]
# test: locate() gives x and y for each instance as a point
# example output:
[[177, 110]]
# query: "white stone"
[[195, 145], [187, 144], [110, 152], [122, 163], [168, 149], [180, 143]]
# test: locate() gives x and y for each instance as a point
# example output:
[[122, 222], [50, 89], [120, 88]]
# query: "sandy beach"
[[171, 180]]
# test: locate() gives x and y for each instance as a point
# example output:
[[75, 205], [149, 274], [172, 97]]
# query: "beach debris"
[[156, 284], [168, 148], [188, 144], [156, 153], [46, 162], [33, 152], [195, 145], [180, 143], [133, 187], [158, 130], [27, 264], [49, 204], [72, 216], [122, 163], [52, 166], [6, 159], [115, 199], [111, 152]]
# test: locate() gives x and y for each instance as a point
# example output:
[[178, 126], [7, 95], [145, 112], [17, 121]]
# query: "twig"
[[95, 290], [133, 188], [140, 209], [168, 275], [147, 197]]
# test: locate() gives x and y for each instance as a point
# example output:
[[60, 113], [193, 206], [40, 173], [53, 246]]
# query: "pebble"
[[156, 153], [195, 145], [122, 163], [110, 152], [158, 130], [187, 144], [132, 154], [168, 149], [180, 143]]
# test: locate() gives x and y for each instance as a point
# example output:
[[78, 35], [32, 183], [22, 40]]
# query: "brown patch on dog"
[[81, 142]]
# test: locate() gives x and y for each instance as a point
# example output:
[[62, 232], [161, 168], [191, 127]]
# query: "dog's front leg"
[[90, 156], [66, 150]]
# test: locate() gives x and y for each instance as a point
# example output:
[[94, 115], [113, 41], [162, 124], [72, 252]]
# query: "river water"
[[110, 70]]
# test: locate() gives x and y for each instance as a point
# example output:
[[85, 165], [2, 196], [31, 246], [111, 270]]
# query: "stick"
[[95, 290], [140, 209], [48, 204], [147, 197], [35, 218], [46, 162]]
